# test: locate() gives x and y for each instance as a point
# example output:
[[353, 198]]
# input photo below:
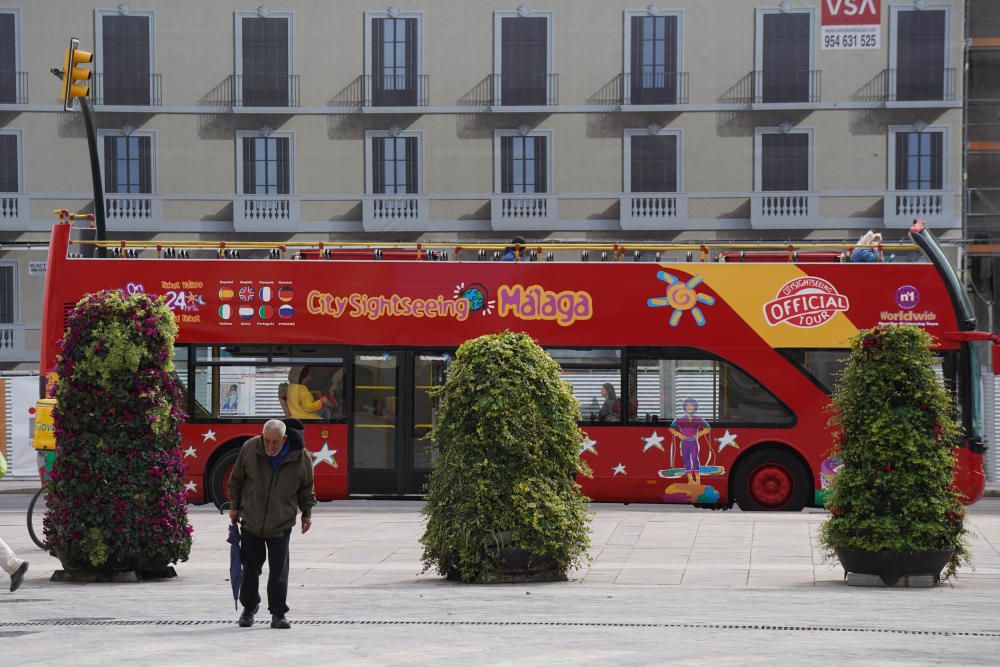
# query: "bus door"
[[392, 413]]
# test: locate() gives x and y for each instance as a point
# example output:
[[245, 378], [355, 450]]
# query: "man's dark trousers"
[[253, 551]]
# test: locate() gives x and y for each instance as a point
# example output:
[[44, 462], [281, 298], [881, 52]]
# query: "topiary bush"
[[116, 498], [508, 444], [895, 427]]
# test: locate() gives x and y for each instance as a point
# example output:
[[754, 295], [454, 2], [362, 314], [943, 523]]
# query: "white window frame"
[[521, 12], [370, 161], [99, 14], [370, 16], [652, 10], [758, 153], [17, 42], [891, 152], [498, 157], [258, 134], [657, 132], [20, 158], [758, 40], [16, 294], [154, 183], [894, 11], [263, 13]]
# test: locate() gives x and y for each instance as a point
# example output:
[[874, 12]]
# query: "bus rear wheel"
[[218, 477], [771, 480]]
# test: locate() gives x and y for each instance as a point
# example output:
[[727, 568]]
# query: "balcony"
[[12, 342], [265, 213], [786, 87], [127, 89], [933, 207], [401, 90], [13, 87], [261, 90], [131, 212], [653, 210], [784, 210], [524, 89], [913, 85], [383, 213], [13, 207], [654, 89], [515, 211]]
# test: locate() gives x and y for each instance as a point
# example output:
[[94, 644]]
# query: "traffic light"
[[75, 77]]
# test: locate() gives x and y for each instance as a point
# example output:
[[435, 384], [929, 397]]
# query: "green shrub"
[[116, 496], [895, 427], [508, 444]]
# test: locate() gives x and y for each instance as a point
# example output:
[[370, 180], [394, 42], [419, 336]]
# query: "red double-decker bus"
[[700, 382]]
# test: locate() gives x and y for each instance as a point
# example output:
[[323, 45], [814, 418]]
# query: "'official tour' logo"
[[805, 303]]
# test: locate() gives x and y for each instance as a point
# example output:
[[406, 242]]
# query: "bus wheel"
[[771, 480], [218, 477]]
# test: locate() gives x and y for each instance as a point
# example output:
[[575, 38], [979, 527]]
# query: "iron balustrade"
[[786, 86], [127, 89], [654, 88], [524, 89]]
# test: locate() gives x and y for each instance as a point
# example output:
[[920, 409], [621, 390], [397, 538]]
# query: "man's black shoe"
[[18, 577], [280, 622], [246, 618]]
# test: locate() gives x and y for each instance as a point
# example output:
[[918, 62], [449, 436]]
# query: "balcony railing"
[[395, 90], [124, 211], [127, 89], [784, 209], [920, 85], [786, 87], [524, 211], [653, 210], [13, 87], [654, 88], [933, 207], [13, 207], [265, 90], [12, 342], [265, 213], [393, 212], [524, 89]]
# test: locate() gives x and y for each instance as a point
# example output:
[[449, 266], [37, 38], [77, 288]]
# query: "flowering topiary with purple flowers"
[[116, 497]]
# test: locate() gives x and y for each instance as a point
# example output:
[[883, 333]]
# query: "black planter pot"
[[890, 566]]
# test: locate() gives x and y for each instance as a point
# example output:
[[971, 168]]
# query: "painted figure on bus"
[[302, 403], [690, 428]]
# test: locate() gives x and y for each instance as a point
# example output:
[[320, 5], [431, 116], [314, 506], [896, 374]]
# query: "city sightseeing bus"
[[702, 379]]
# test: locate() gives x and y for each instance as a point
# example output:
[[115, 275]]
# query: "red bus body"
[[748, 311]]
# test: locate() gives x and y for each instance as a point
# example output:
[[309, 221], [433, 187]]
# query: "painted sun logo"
[[681, 297], [477, 296]]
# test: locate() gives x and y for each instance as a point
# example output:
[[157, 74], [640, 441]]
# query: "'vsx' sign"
[[851, 12]]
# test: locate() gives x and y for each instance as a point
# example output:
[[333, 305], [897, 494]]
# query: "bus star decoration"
[[681, 296]]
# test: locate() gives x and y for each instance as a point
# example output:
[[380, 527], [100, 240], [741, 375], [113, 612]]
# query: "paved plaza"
[[666, 585]]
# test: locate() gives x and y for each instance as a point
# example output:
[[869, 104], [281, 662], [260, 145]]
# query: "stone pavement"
[[666, 585]]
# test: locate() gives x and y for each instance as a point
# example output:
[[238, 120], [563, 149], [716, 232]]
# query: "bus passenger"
[[302, 404], [611, 410], [867, 248]]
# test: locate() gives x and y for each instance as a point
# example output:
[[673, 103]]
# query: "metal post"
[[95, 173]]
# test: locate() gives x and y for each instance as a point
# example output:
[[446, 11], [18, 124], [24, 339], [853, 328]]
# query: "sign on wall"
[[851, 24], [37, 268]]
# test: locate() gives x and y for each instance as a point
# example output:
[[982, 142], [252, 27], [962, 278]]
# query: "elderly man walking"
[[271, 480]]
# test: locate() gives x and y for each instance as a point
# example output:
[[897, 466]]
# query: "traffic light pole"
[[95, 173]]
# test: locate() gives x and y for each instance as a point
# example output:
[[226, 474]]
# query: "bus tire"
[[771, 480], [219, 475]]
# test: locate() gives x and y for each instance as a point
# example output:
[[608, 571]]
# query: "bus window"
[[198, 410], [823, 367], [595, 377], [722, 394]]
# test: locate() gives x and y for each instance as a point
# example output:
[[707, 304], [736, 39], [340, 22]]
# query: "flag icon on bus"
[[266, 312], [246, 293], [246, 312], [286, 293], [225, 311], [226, 293], [286, 312], [266, 294]]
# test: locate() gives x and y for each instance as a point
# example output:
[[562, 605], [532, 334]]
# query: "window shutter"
[[411, 165], [9, 181], [125, 56], [785, 60], [249, 165], [378, 56], [541, 164], [411, 54], [378, 165], [282, 149], [265, 61], [506, 164], [145, 164], [785, 162], [937, 161], [902, 166], [8, 60], [111, 164], [7, 295]]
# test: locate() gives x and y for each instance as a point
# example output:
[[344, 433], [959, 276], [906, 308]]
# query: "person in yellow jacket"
[[302, 403]]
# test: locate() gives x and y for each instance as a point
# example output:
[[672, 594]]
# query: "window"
[[270, 382], [8, 293], [264, 62], [11, 87], [524, 164], [653, 57], [395, 163], [266, 163], [919, 57], [652, 161], [823, 367], [723, 394], [784, 56], [595, 377], [917, 157], [784, 160], [128, 163], [523, 58], [393, 59], [10, 161], [125, 59]]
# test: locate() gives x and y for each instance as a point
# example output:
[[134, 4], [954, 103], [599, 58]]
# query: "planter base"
[[111, 576], [871, 580], [890, 567]]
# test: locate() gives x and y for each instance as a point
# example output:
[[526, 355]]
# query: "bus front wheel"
[[218, 477], [771, 480]]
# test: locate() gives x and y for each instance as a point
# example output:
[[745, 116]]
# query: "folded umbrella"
[[235, 561]]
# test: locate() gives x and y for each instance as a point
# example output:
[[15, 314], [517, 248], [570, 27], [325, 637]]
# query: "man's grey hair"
[[274, 426]]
